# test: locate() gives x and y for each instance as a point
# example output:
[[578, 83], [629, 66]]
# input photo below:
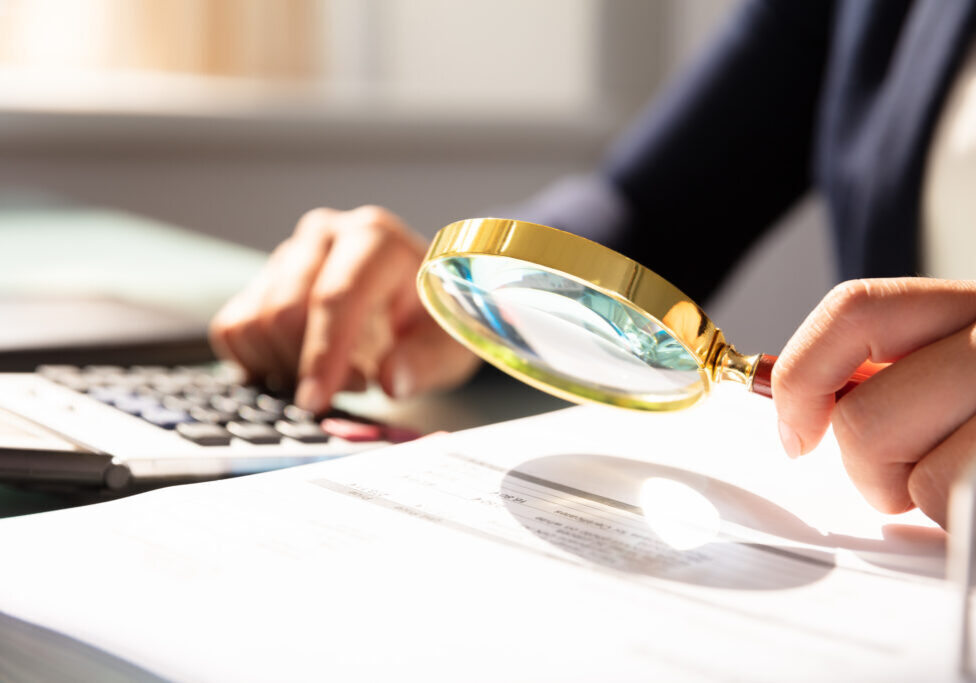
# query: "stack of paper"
[[588, 544]]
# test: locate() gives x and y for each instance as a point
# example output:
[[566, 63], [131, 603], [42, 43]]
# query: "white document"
[[588, 544]]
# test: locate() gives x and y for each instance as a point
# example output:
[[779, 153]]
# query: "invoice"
[[588, 544]]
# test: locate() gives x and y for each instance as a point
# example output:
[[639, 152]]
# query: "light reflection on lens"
[[556, 329]]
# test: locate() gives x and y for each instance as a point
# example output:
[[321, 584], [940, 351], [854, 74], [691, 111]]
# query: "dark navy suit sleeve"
[[712, 162]]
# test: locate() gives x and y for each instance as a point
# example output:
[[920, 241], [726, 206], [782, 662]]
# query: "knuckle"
[[237, 321], [840, 311], [218, 332], [315, 222], [282, 246], [783, 375], [371, 213], [376, 236], [791, 380], [218, 322], [847, 298], [924, 485], [226, 325], [279, 252]]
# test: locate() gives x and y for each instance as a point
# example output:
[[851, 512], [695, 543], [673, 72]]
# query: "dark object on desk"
[[87, 330]]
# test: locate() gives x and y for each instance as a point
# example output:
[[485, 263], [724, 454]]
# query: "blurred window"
[[274, 39], [500, 58]]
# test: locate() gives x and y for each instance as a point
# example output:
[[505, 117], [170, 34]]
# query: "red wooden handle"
[[762, 380]]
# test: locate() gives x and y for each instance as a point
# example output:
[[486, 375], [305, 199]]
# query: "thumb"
[[425, 358]]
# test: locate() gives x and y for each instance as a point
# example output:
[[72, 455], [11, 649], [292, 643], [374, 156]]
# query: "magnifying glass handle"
[[762, 380]]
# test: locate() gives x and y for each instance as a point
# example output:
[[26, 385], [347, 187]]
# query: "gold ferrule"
[[732, 365]]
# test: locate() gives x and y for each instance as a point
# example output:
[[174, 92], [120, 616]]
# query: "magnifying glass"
[[580, 321]]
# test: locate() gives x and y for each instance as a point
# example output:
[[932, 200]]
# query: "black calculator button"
[[271, 404], [212, 416], [296, 414], [254, 433], [251, 414], [204, 434], [306, 432], [164, 417]]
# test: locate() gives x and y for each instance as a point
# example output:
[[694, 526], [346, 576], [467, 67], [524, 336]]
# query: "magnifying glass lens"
[[546, 326]]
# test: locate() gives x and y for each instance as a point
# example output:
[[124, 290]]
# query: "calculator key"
[[178, 403], [271, 404], [109, 394], [53, 371], [255, 433], [204, 434], [193, 372], [131, 382], [197, 397], [177, 378], [211, 415], [164, 417], [296, 414], [346, 415], [137, 405], [210, 384], [148, 391], [352, 431], [252, 414], [225, 404], [146, 370], [306, 432], [166, 385], [104, 370], [243, 395], [227, 373]]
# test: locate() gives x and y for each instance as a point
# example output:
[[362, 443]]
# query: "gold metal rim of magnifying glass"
[[597, 266]]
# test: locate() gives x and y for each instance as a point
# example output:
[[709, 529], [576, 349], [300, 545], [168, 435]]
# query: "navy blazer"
[[794, 94]]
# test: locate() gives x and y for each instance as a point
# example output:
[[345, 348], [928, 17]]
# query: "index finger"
[[879, 320], [364, 271]]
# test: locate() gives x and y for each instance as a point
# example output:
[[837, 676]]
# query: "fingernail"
[[309, 396], [790, 440], [403, 381]]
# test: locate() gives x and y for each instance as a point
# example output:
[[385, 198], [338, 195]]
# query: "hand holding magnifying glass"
[[580, 321]]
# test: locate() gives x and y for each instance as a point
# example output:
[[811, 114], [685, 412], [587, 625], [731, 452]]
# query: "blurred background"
[[233, 117]]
